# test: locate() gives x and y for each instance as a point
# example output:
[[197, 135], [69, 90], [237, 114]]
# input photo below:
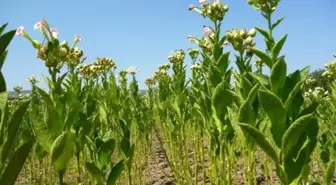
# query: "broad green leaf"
[[246, 114], [12, 130], [3, 86], [278, 76], [329, 172], [5, 39], [41, 133], [3, 27], [245, 86], [115, 173], [263, 32], [293, 133], [16, 163], [95, 173], [221, 99], [276, 113], [62, 150], [263, 56], [53, 121], [3, 100], [293, 94], [125, 146], [261, 140], [325, 156], [253, 93], [260, 78], [304, 73], [46, 97], [2, 58], [74, 109], [277, 22], [277, 48]]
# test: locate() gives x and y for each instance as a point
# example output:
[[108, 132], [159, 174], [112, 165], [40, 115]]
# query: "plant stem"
[[78, 167]]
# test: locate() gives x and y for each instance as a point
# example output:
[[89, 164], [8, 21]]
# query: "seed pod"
[[252, 32], [249, 40], [243, 33]]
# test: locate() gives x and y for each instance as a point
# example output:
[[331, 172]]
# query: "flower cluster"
[[259, 63], [53, 52], [207, 40], [264, 5], [101, 66], [193, 53], [177, 57], [241, 39], [132, 70], [318, 93], [17, 89], [330, 71], [310, 81], [215, 11], [196, 67], [33, 80]]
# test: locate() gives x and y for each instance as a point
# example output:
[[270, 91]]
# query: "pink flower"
[[202, 1], [38, 25], [191, 38], [20, 31], [131, 70], [78, 38], [54, 32], [207, 31]]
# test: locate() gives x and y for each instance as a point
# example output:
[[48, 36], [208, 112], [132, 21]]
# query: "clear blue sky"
[[142, 33]]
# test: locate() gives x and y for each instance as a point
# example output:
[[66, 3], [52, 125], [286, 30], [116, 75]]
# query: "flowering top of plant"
[[177, 57], [193, 53], [264, 5], [317, 94], [99, 67], [17, 89], [53, 52], [132, 70], [213, 10], [330, 70], [241, 39], [33, 80]]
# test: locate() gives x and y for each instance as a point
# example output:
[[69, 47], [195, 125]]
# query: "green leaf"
[[53, 120], [125, 146], [221, 98], [3, 27], [246, 114], [329, 172], [293, 94], [95, 173], [2, 58], [41, 133], [260, 78], [263, 56], [12, 129], [15, 164], [3, 100], [74, 109], [5, 39], [293, 133], [276, 111], [277, 48], [253, 93], [3, 86], [278, 76], [45, 96], [263, 32], [115, 173], [304, 73], [62, 151], [261, 140], [277, 22], [325, 156]]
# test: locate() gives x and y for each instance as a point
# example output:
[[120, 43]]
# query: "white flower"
[[39, 25]]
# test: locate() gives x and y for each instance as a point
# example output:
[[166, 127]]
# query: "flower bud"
[[252, 32], [63, 51], [191, 7], [226, 8], [36, 44], [249, 40], [243, 33], [64, 43], [229, 35]]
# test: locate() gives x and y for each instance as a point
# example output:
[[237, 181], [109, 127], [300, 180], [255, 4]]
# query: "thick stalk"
[[250, 167], [266, 170], [78, 167]]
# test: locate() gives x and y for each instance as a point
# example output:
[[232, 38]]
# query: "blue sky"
[[143, 33]]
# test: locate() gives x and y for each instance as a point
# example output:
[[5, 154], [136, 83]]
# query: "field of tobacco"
[[221, 126]]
